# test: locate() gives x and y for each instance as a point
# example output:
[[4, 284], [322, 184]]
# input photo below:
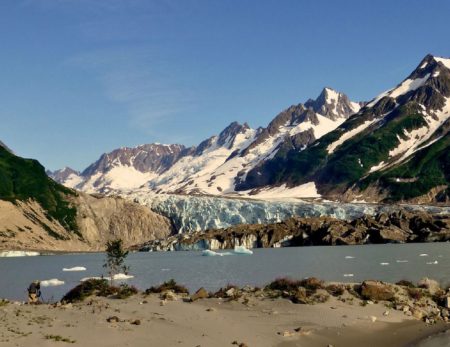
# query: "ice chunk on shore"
[[19, 254], [75, 268], [242, 250], [209, 253], [52, 283]]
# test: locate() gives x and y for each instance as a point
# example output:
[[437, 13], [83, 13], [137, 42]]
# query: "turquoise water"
[[332, 263]]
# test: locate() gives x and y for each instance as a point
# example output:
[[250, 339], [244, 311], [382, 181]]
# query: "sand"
[[208, 322]]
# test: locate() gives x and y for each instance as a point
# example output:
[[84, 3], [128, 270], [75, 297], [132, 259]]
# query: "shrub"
[[284, 284], [98, 288], [415, 293], [86, 289], [312, 283], [335, 289], [125, 291], [169, 285], [405, 283]]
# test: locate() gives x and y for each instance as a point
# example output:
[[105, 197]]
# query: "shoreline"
[[144, 320], [285, 313]]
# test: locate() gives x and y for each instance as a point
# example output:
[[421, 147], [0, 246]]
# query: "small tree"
[[115, 258]]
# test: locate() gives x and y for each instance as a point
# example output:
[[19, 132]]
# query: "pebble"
[[113, 319]]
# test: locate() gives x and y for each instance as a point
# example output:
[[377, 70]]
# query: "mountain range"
[[218, 163], [393, 148]]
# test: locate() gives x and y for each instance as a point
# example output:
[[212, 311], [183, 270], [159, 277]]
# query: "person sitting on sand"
[[34, 292]]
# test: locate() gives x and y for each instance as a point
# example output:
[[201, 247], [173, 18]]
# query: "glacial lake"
[[390, 263]]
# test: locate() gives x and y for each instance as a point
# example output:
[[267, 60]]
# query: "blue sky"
[[82, 77]]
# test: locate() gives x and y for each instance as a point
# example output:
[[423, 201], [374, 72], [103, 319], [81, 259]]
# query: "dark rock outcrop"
[[396, 227]]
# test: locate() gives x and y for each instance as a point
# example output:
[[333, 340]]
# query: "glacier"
[[199, 213]]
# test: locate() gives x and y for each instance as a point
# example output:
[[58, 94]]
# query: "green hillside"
[[23, 179], [428, 168]]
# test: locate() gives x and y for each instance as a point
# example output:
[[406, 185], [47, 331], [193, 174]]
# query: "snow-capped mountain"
[[69, 176], [394, 148], [217, 164], [129, 168]]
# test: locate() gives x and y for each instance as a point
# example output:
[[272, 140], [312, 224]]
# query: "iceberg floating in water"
[[52, 283], [384, 264], [349, 257], [209, 253], [423, 255], [401, 261], [115, 277], [121, 277], [76, 268], [242, 250], [19, 254], [433, 262], [348, 275]]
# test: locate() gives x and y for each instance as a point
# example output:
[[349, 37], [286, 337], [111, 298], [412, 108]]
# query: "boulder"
[[230, 292], [200, 294], [375, 290], [447, 302], [169, 296], [113, 319], [432, 285]]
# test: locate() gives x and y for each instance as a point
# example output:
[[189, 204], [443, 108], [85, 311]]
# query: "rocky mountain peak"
[[153, 157], [228, 135], [333, 104], [428, 85], [62, 175]]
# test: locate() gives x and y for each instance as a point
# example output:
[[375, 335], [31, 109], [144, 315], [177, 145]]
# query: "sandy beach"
[[146, 321]]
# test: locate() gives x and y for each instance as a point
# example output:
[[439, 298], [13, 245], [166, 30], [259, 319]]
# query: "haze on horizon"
[[83, 77]]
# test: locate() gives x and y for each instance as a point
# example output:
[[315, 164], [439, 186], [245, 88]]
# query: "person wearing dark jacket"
[[34, 292]]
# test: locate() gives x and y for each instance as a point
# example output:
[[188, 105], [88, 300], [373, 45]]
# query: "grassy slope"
[[23, 179], [429, 168]]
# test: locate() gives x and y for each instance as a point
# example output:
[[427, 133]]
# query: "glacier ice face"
[[197, 213]]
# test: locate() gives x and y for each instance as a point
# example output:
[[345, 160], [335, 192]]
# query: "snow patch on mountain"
[[324, 126], [195, 173], [412, 141], [307, 190], [73, 180], [444, 61], [408, 85], [349, 134]]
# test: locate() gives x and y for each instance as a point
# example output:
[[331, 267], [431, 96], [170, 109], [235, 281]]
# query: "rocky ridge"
[[25, 225], [395, 227]]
